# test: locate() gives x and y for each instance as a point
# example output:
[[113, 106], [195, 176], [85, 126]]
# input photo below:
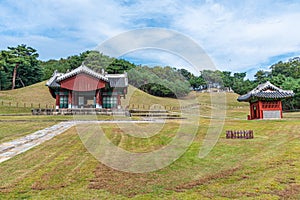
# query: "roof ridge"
[[82, 68], [260, 91]]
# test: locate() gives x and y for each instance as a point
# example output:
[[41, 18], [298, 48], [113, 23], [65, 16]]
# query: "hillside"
[[36, 93], [39, 94]]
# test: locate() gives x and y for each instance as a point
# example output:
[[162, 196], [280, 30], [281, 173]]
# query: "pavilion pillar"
[[70, 99], [260, 112], [98, 99], [280, 108], [74, 100], [119, 102], [57, 101], [251, 111]]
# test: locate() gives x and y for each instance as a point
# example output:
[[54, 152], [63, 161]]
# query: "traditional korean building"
[[265, 101], [85, 88]]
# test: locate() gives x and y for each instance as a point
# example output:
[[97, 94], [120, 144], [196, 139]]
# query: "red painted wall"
[[82, 82], [263, 105]]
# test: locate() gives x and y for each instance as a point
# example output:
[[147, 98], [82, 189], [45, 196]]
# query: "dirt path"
[[20, 145]]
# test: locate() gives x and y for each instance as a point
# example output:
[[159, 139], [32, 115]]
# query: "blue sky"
[[237, 35]]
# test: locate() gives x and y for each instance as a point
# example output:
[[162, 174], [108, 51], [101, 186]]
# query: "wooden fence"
[[182, 107], [130, 106], [241, 134], [26, 105]]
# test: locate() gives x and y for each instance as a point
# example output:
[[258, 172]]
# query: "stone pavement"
[[20, 145]]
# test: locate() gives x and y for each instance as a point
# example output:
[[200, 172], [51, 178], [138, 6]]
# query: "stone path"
[[20, 145]]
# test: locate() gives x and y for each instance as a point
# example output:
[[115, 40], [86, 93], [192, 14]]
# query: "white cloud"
[[238, 35], [238, 40]]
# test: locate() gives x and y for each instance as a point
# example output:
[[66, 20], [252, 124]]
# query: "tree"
[[261, 76], [21, 66], [291, 68], [186, 74], [227, 79], [197, 81]]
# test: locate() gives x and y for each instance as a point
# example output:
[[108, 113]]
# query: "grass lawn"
[[12, 127], [266, 167]]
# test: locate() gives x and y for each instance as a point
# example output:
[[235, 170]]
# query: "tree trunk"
[[22, 82], [14, 76]]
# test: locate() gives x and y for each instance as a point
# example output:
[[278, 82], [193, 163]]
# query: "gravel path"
[[20, 145]]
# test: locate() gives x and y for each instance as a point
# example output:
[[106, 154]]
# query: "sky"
[[238, 36]]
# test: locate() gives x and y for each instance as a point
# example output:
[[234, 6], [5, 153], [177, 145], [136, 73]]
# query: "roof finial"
[[82, 64]]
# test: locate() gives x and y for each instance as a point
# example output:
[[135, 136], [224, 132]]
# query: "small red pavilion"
[[85, 88], [265, 101]]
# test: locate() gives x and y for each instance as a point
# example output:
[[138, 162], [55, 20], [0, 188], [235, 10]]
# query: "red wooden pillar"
[[98, 99], [74, 100], [280, 107], [260, 110], [57, 101], [70, 99], [251, 111]]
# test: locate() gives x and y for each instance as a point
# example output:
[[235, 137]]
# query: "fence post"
[[31, 105], [39, 105], [24, 105]]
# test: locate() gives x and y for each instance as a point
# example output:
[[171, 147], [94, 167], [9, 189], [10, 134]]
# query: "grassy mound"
[[23, 99], [37, 95]]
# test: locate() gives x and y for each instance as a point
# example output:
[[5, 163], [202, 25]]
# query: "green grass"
[[22, 100], [37, 93], [266, 167], [10, 131], [12, 127]]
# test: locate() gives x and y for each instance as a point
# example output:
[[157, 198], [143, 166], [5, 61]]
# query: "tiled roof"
[[117, 80], [52, 81], [266, 90], [82, 69]]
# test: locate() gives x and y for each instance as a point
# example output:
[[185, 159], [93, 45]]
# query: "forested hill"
[[20, 66]]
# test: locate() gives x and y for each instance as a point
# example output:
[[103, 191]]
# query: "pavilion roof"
[[52, 81], [266, 91], [82, 69], [114, 80], [117, 80]]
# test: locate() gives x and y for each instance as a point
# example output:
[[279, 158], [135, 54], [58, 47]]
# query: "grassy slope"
[[37, 93]]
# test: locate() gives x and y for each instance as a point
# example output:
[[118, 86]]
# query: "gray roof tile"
[[266, 90]]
